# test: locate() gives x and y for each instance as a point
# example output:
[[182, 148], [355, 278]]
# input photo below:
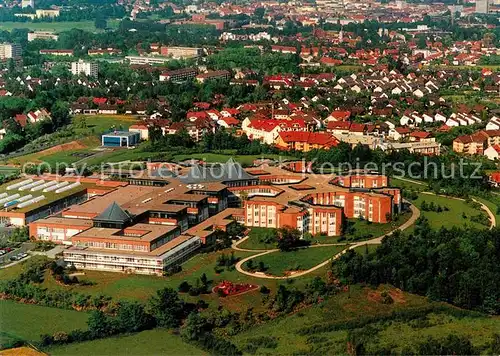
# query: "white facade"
[[10, 50], [90, 69], [141, 263]]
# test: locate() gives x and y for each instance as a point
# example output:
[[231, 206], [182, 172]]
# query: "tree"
[[100, 23], [60, 114], [99, 324], [131, 317], [166, 307], [196, 326], [288, 238]]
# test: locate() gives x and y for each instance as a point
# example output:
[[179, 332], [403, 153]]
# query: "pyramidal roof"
[[113, 213]]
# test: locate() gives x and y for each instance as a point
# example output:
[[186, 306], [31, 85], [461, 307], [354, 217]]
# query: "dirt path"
[[376, 241]]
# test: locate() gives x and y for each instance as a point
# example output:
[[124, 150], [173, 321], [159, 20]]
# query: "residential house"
[[305, 141]]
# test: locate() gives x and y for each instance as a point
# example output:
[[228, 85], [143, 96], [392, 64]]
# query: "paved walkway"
[[376, 241]]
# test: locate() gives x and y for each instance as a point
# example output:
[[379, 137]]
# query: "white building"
[[482, 6], [90, 69], [26, 3], [10, 50], [42, 35]]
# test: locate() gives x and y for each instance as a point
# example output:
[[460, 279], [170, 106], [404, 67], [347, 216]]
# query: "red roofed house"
[[494, 179], [330, 62], [99, 101], [305, 141], [421, 136], [228, 122], [267, 130], [339, 115], [338, 127]]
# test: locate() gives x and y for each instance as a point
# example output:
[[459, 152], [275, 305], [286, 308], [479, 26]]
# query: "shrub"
[[184, 287]]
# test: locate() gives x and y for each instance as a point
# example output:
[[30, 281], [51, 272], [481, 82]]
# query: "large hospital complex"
[[145, 223]]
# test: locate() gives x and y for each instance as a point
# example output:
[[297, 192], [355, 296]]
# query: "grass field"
[[256, 239], [151, 342], [7, 170], [451, 218], [28, 322], [360, 302], [56, 26], [492, 206], [279, 263], [86, 138], [98, 124]]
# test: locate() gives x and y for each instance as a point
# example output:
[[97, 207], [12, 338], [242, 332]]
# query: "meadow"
[[458, 215], [28, 322], [56, 26], [150, 342], [281, 263]]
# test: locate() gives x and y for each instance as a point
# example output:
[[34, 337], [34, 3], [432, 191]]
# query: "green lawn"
[[28, 322], [151, 342], [451, 218], [279, 263], [256, 239], [98, 124], [365, 249], [56, 26], [404, 184], [357, 303], [492, 206], [7, 170]]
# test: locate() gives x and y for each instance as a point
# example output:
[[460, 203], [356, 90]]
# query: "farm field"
[[150, 342], [362, 303], [17, 320], [279, 263], [56, 26], [458, 215]]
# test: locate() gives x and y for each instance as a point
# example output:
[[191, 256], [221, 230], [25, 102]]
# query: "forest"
[[458, 266]]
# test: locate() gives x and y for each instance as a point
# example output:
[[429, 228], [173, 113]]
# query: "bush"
[[264, 290], [184, 287]]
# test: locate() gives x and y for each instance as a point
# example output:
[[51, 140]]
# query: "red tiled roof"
[[319, 138], [341, 115], [357, 127], [21, 119], [230, 120], [338, 125], [420, 134]]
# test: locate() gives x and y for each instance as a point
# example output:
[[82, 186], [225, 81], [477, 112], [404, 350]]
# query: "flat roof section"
[[144, 232], [121, 134]]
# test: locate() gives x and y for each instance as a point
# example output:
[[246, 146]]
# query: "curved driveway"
[[376, 241]]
